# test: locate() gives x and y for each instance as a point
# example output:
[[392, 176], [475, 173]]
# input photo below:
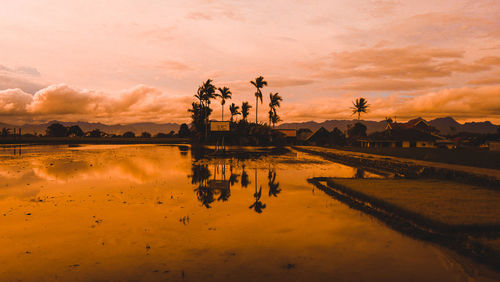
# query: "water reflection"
[[15, 150], [212, 183], [244, 177], [109, 202], [274, 189]]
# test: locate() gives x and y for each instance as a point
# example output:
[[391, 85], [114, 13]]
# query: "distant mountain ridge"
[[445, 125]]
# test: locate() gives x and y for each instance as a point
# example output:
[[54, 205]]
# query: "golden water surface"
[[148, 213]]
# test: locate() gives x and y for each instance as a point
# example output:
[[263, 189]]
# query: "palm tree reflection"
[[200, 175], [274, 189], [244, 177], [257, 206], [212, 184]]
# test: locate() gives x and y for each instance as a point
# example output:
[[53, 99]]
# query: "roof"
[[320, 133], [288, 132], [408, 125], [399, 134]]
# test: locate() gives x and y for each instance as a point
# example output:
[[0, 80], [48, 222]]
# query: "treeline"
[[59, 130]]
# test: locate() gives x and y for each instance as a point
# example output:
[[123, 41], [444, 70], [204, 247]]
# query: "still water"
[[148, 213]]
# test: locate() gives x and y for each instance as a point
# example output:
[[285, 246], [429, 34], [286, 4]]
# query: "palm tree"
[[275, 102], [224, 93], [259, 83], [245, 110], [206, 91], [274, 117], [234, 110], [360, 106]]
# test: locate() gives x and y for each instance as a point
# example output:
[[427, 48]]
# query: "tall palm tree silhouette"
[[360, 106], [234, 110], [259, 83], [274, 102], [224, 94], [245, 110], [206, 92]]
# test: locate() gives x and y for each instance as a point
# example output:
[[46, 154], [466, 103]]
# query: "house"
[[319, 137], [400, 137], [419, 124]]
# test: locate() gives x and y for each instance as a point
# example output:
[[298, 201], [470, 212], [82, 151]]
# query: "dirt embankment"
[[407, 169]]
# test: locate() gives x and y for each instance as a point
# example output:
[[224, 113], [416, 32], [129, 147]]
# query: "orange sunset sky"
[[131, 61]]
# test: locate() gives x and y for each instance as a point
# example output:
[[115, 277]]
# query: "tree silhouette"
[[360, 106], [184, 131], [245, 110], [202, 111], [56, 130], [96, 133], [75, 130], [234, 110], [259, 83], [274, 103], [224, 93], [129, 134], [146, 135], [5, 132], [357, 131]]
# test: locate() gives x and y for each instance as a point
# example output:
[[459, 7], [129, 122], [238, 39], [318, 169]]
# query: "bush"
[[146, 135], [129, 134]]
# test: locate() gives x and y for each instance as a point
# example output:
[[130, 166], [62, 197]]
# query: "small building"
[[319, 137], [403, 138], [289, 133]]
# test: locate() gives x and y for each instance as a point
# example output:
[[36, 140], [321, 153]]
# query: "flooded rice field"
[[150, 212]]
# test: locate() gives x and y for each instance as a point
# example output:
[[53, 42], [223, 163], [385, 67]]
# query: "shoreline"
[[409, 168]]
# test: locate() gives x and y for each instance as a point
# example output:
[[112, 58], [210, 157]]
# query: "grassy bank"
[[470, 157], [481, 245], [91, 140], [443, 205]]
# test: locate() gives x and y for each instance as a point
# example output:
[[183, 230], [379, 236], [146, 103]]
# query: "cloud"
[[381, 8], [25, 78], [465, 102], [14, 101], [411, 62], [388, 85], [140, 103], [289, 81], [199, 16], [173, 65], [485, 80]]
